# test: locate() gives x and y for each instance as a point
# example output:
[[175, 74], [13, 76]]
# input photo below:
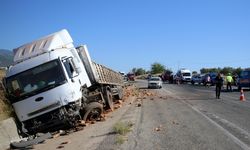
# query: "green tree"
[[194, 72], [157, 68], [208, 70], [140, 71], [237, 71], [168, 71], [134, 70], [227, 70], [203, 70]]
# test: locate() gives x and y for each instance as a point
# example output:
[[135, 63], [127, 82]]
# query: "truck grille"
[[54, 105]]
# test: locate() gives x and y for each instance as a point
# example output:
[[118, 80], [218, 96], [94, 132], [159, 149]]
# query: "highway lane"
[[177, 117], [191, 118]]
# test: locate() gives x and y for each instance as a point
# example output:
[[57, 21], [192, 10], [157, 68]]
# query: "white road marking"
[[235, 139], [230, 124], [227, 133]]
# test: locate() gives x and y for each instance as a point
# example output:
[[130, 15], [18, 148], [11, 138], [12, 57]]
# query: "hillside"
[[6, 57], [5, 108]]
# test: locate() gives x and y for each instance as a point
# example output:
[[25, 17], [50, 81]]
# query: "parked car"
[[244, 79], [204, 79], [196, 79], [212, 77], [209, 78], [155, 82], [183, 75]]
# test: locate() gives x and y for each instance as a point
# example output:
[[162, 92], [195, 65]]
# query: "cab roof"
[[60, 39]]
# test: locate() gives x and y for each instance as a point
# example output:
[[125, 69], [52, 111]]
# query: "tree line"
[[157, 68], [225, 70]]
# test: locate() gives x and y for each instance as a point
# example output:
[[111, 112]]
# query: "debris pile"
[[130, 91], [62, 144], [159, 128]]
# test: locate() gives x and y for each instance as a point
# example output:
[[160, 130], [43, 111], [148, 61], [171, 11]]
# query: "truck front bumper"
[[48, 122]]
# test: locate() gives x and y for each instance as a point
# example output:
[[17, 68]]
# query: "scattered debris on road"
[[60, 147], [159, 128], [66, 142], [175, 122], [25, 143]]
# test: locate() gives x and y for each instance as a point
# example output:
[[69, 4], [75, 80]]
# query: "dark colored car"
[[212, 77], [244, 79], [196, 79], [211, 81]]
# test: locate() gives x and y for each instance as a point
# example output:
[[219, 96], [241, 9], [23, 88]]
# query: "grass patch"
[[122, 128], [120, 139]]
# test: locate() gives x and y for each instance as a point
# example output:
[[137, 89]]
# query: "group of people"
[[219, 83]]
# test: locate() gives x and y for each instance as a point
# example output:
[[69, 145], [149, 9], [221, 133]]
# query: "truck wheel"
[[109, 99], [119, 96], [93, 111]]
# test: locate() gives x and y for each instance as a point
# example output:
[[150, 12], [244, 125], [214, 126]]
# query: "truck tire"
[[93, 111], [108, 99], [119, 96]]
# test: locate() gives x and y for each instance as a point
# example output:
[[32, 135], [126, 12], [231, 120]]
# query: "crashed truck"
[[53, 84]]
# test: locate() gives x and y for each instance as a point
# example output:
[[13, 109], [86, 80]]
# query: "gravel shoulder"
[[91, 136]]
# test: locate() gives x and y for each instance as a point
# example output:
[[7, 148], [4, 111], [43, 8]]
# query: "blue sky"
[[136, 33]]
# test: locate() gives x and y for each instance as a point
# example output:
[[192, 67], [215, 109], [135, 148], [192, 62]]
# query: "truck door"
[[73, 78]]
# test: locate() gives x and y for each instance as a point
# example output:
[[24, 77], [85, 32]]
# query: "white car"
[[155, 82]]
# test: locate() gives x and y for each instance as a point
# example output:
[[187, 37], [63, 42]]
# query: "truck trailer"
[[53, 84]]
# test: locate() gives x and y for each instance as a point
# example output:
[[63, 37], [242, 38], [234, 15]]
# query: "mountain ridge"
[[6, 57]]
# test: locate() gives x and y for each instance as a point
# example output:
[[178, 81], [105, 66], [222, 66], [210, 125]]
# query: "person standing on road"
[[208, 80], [229, 80], [219, 83]]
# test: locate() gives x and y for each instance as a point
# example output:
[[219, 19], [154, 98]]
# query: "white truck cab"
[[46, 83]]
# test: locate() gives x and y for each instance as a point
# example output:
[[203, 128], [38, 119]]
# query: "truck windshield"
[[34, 81], [186, 74], [155, 79]]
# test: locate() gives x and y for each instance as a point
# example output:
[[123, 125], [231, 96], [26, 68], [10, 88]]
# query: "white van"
[[184, 75]]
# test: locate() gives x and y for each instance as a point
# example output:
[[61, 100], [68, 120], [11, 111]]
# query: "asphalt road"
[[178, 117], [189, 117]]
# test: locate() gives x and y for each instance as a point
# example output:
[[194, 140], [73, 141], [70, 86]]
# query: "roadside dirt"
[[5, 108], [129, 91], [100, 135]]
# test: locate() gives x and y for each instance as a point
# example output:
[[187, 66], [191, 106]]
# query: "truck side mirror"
[[70, 68]]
